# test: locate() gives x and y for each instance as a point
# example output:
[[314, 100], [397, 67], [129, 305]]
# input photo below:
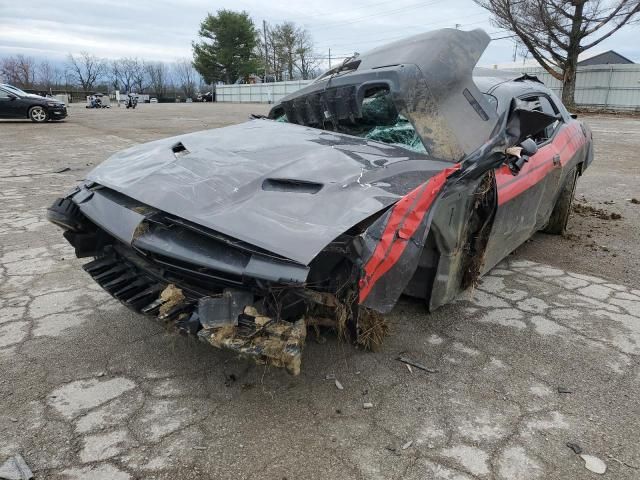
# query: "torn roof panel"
[[431, 78]]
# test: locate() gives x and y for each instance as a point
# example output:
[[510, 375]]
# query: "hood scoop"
[[291, 185]]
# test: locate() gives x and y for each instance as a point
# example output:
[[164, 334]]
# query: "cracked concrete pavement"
[[538, 355]]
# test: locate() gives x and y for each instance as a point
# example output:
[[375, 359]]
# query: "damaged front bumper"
[[226, 320], [229, 294]]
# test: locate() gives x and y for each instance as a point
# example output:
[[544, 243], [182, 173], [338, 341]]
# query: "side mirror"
[[529, 147], [518, 156]]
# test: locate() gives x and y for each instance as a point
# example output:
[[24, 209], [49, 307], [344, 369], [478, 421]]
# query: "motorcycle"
[[132, 101]]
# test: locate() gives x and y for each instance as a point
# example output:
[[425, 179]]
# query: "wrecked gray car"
[[401, 171]]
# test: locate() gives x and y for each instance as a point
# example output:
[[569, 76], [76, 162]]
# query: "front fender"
[[391, 246]]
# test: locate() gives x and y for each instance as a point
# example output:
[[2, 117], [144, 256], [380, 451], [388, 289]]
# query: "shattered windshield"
[[379, 121]]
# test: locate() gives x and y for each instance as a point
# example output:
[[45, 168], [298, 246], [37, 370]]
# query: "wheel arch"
[[38, 105], [461, 232]]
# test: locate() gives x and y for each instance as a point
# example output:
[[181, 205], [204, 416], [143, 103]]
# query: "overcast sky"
[[164, 29]]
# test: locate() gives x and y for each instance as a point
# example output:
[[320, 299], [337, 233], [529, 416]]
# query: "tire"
[[38, 114], [562, 209]]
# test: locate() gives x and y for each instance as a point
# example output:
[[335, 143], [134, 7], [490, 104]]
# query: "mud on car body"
[[402, 170]]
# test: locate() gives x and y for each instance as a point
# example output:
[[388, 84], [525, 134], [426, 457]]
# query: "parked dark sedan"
[[14, 103], [400, 171]]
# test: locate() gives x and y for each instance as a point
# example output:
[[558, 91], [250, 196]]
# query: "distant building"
[[605, 58]]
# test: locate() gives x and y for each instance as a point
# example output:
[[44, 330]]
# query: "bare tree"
[[306, 61], [273, 54], [48, 75], [288, 53], [186, 76], [124, 73], [86, 69], [114, 74], [8, 70], [156, 73], [557, 31], [19, 70], [139, 75]]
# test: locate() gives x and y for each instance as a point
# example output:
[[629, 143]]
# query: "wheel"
[[562, 209], [38, 114]]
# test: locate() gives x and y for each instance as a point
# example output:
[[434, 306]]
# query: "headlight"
[[55, 104]]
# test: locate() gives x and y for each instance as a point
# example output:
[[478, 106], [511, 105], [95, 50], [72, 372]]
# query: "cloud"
[[164, 29]]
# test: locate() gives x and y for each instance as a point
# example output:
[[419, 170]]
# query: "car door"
[[7, 104], [554, 138], [523, 199]]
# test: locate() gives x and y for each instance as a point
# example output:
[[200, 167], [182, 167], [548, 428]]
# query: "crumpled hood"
[[282, 187]]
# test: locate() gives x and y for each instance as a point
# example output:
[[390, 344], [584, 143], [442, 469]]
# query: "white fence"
[[607, 87], [610, 87], [258, 92]]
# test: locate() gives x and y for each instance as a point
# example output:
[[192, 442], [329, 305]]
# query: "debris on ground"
[[571, 236], [594, 464], [330, 376], [372, 328], [62, 170], [276, 343], [635, 201], [407, 445], [392, 449], [621, 462], [564, 390], [415, 364], [15, 469], [585, 210], [577, 449], [367, 405], [339, 385]]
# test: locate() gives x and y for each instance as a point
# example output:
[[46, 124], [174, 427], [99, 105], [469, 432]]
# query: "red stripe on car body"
[[403, 222], [537, 168]]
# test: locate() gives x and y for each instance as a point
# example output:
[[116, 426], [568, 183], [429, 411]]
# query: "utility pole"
[[329, 59], [266, 55]]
